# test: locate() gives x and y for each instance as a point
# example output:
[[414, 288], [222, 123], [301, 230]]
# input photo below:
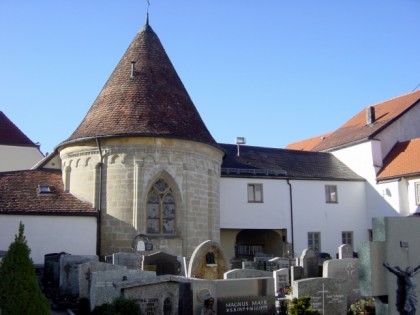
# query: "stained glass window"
[[161, 209]]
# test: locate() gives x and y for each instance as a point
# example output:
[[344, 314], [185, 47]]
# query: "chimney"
[[239, 141], [370, 115]]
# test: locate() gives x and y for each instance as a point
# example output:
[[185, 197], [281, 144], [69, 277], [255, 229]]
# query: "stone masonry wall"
[[130, 168]]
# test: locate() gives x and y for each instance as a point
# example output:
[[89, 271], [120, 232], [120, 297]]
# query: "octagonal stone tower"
[[144, 158]]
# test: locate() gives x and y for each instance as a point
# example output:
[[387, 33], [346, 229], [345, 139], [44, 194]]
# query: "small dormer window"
[[44, 189]]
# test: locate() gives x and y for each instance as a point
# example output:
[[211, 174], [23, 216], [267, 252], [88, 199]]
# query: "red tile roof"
[[19, 195], [12, 135], [144, 96], [356, 129], [308, 144], [403, 160]]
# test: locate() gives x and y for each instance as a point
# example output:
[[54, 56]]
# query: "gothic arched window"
[[160, 209]]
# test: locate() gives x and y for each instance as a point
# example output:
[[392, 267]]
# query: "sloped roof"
[[308, 144], [12, 135], [295, 164], [19, 194], [402, 160], [356, 129], [151, 100]]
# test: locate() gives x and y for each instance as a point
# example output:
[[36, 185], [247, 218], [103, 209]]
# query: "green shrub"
[[362, 306], [302, 306], [19, 289], [120, 306]]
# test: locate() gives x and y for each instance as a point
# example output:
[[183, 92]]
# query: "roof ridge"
[[394, 98]]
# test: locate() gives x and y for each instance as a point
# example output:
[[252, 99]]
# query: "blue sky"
[[273, 71]]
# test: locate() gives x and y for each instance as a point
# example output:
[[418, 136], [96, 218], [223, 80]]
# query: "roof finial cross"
[[148, 6]]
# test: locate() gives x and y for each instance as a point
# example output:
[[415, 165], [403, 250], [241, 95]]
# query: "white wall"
[[310, 211], [13, 158], [403, 129], [365, 159], [51, 234], [313, 214], [237, 213], [391, 193]]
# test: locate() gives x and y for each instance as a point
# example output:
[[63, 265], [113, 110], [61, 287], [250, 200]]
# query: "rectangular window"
[[417, 186], [255, 193], [347, 238], [331, 194], [314, 241]]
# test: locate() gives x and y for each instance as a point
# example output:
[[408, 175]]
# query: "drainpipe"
[[99, 206], [291, 218]]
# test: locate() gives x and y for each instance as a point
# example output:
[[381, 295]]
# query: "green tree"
[[19, 289]]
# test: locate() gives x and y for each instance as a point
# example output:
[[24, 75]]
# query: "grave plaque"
[[245, 296], [246, 305]]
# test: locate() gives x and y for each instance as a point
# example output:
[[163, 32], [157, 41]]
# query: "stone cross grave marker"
[[347, 271], [327, 295]]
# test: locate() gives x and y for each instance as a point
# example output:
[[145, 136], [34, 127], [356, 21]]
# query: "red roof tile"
[[19, 194], [357, 129], [403, 160], [308, 144], [144, 96], [12, 135]]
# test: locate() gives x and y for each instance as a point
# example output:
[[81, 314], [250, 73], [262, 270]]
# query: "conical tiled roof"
[[144, 96], [12, 135]]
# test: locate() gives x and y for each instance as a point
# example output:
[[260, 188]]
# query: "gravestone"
[[383, 262], [85, 272], [281, 280], [207, 262], [163, 264], [249, 265], [246, 273], [160, 295], [281, 262], [69, 273], [327, 295], [245, 296], [52, 270], [130, 260], [102, 287], [347, 271], [296, 273], [309, 261], [345, 251]]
